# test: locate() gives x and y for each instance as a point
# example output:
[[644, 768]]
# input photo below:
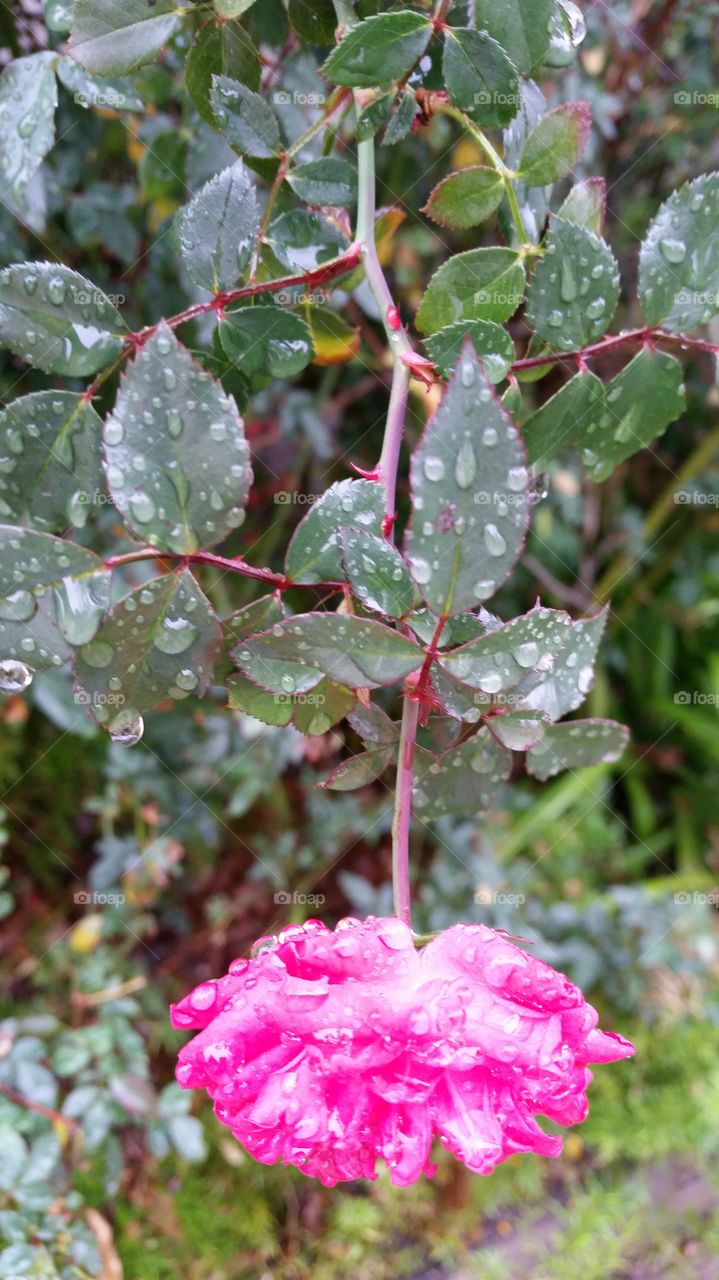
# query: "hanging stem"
[[403, 810]]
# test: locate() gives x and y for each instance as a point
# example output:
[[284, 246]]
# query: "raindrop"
[[56, 291], [126, 728], [526, 655], [466, 465], [489, 436], [113, 432], [433, 468], [142, 507], [18, 607], [14, 676], [186, 680], [493, 540], [421, 570], [673, 250], [98, 654], [177, 635]]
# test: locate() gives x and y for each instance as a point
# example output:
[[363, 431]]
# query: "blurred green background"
[[611, 873]]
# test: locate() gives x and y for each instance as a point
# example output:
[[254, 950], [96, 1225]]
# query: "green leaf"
[[112, 37], [28, 98], [679, 259], [577, 744], [570, 418], [520, 26], [56, 320], [223, 48], [373, 116], [359, 770], [50, 462], [266, 339], [232, 8], [219, 229], [479, 76], [518, 730], [639, 404], [315, 713], [373, 724], [315, 552], [575, 288], [490, 341], [246, 120], [377, 573], [571, 677], [482, 284], [330, 181], [459, 700], [555, 144], [295, 655], [462, 781], [302, 240], [313, 20], [501, 659], [402, 116], [469, 489], [586, 205], [191, 485], [379, 50], [466, 198], [93, 91], [270, 708], [130, 666], [35, 564]]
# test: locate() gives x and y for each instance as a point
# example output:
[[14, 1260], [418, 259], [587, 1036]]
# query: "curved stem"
[[403, 810], [239, 566]]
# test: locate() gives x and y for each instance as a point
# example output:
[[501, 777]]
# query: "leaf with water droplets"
[[34, 566], [479, 77], [555, 144], [577, 744], [574, 291], [500, 660], [247, 121], [312, 713], [570, 678], [113, 37], [377, 573], [639, 404], [470, 495], [586, 205], [50, 461], [373, 724], [266, 339], [463, 781], [97, 91], [315, 552], [269, 708], [679, 259], [177, 462], [224, 48], [330, 181], [360, 770], [218, 230], [466, 198], [569, 419], [482, 284], [302, 240], [28, 98], [491, 342], [295, 655], [520, 26], [379, 50], [56, 320], [518, 730], [160, 641]]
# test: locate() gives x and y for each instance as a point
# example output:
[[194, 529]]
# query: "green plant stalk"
[[496, 162]]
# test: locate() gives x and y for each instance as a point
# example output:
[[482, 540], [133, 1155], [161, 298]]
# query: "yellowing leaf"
[[334, 341]]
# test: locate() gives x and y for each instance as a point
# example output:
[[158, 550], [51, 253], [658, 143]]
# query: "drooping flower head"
[[331, 1049]]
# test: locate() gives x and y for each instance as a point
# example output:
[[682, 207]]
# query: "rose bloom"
[[330, 1049]]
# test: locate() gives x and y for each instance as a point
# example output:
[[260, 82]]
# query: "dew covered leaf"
[[269, 708], [479, 76], [56, 320], [466, 198], [555, 144], [360, 770], [177, 461], [50, 460], [325, 706], [223, 48], [501, 659], [379, 50], [577, 744], [639, 404], [377, 573], [302, 240], [98, 91], [571, 677], [481, 284], [28, 98], [66, 578], [295, 655], [330, 181], [469, 489], [570, 418], [315, 552], [679, 258], [491, 342], [586, 205], [160, 641], [520, 26], [113, 37], [218, 230], [518, 730], [462, 781], [574, 291], [247, 121], [266, 339], [373, 725]]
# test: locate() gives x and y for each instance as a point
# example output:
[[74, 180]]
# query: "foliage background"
[[210, 817]]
